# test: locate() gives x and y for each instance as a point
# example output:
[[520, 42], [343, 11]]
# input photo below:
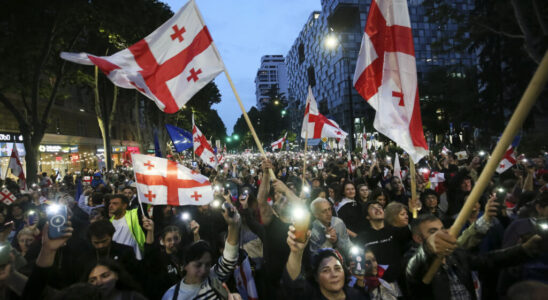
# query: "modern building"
[[330, 70], [271, 76]]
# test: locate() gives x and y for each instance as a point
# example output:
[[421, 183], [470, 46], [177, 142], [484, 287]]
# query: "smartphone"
[[32, 217], [57, 219], [301, 221], [501, 197], [228, 208], [194, 164], [541, 226], [358, 258]]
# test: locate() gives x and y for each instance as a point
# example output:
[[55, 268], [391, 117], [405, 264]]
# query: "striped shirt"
[[203, 291]]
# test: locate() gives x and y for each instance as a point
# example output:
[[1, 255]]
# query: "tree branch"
[[58, 80], [16, 113], [541, 22], [38, 70], [500, 32], [25, 100], [529, 37]]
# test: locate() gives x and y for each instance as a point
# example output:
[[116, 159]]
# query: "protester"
[[128, 231], [327, 231]]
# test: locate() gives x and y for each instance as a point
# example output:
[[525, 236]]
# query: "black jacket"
[[461, 262]]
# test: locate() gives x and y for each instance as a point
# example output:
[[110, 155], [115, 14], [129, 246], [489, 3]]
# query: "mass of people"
[[342, 231]]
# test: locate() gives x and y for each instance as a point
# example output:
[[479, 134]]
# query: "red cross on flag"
[[279, 143], [7, 197], [168, 66], [386, 75], [17, 168], [202, 148], [164, 182], [317, 124]]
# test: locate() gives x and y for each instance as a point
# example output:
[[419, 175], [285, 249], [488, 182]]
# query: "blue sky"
[[245, 30]]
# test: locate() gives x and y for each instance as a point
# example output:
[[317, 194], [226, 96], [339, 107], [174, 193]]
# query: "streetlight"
[[276, 102], [236, 137], [283, 113], [228, 139], [331, 42]]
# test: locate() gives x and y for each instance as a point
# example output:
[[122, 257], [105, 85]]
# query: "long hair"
[[125, 282]]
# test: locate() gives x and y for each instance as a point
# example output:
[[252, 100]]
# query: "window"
[[311, 76], [301, 53]]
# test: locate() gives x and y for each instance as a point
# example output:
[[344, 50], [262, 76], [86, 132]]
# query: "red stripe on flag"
[[156, 75], [415, 125]]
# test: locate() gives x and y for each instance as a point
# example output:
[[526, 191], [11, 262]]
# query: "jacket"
[[461, 262], [132, 220]]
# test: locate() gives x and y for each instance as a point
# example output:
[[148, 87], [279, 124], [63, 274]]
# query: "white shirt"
[[123, 235]]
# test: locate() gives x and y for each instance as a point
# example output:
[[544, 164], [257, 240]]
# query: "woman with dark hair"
[[113, 280], [381, 196], [201, 280], [363, 193], [430, 203], [349, 210], [328, 277]]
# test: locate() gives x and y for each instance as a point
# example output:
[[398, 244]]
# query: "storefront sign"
[[74, 157], [50, 148], [73, 149], [118, 149], [133, 149], [10, 137]]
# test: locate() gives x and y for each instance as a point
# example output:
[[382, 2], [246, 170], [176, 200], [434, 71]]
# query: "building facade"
[[271, 76], [330, 71]]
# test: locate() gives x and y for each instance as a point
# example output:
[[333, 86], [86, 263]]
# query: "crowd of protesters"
[[362, 242]]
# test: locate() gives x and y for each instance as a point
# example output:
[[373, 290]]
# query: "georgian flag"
[[202, 148], [397, 167], [17, 168], [168, 66], [509, 158], [386, 75], [164, 182], [436, 182], [245, 283], [7, 197], [279, 143], [318, 125]]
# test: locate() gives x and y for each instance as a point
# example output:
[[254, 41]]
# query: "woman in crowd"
[[381, 196], [395, 214], [363, 193], [349, 210], [328, 277]]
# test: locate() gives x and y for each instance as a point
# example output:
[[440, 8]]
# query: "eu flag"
[[181, 138]]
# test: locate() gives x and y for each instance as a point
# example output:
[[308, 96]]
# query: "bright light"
[[388, 158], [299, 213], [306, 189], [544, 226], [276, 102], [185, 216], [236, 137], [31, 212], [283, 112], [228, 139], [423, 170], [216, 203], [482, 153], [53, 208], [355, 250], [331, 42], [82, 110], [500, 190]]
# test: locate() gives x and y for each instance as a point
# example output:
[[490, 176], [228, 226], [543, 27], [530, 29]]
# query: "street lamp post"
[[332, 42]]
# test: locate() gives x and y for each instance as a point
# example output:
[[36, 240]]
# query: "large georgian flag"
[[318, 125], [164, 182], [386, 75], [17, 168], [168, 66]]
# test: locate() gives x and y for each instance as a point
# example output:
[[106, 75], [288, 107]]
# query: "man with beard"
[[100, 234]]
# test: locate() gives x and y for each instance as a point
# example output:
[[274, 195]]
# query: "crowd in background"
[[362, 242]]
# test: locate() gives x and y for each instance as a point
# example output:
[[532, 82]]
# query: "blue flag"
[[157, 150], [181, 138]]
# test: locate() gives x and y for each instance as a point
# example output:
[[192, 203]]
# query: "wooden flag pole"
[[527, 101], [248, 121], [413, 186], [305, 149]]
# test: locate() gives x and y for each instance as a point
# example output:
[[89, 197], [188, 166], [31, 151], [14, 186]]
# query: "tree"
[[31, 73]]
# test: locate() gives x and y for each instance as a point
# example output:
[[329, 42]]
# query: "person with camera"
[[201, 280], [454, 279]]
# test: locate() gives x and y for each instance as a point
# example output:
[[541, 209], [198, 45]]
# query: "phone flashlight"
[[481, 153], [301, 221], [185, 216], [215, 203]]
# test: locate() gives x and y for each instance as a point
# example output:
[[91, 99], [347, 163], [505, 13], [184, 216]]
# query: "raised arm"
[[294, 261], [262, 195]]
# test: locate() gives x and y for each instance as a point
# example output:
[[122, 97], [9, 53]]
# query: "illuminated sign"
[[10, 137]]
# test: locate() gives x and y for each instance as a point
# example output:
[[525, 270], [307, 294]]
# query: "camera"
[[57, 219]]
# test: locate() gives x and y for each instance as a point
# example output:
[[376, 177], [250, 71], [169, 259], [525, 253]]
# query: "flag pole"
[[244, 113], [8, 166], [193, 153], [523, 108], [413, 186], [137, 190], [305, 148]]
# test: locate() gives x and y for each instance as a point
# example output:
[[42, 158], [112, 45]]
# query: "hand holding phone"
[[57, 220], [301, 221]]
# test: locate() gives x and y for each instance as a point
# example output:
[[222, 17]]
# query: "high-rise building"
[[271, 78], [329, 67]]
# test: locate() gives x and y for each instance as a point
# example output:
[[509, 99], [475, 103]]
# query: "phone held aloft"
[[301, 221], [228, 208], [57, 219]]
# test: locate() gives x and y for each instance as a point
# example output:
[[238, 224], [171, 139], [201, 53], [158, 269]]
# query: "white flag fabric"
[[279, 143], [202, 148], [245, 283], [318, 125], [397, 167], [17, 168], [386, 75], [164, 182], [168, 66]]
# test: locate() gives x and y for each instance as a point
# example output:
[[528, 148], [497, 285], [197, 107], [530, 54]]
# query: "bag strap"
[[177, 288]]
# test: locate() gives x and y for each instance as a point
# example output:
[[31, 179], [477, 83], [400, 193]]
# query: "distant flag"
[[509, 158], [181, 138], [17, 168], [7, 197], [168, 66], [397, 167], [202, 148], [318, 125], [445, 151], [349, 164], [386, 75], [437, 180], [157, 150], [164, 182], [279, 143]]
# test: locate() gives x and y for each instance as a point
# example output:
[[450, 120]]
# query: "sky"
[[244, 31]]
